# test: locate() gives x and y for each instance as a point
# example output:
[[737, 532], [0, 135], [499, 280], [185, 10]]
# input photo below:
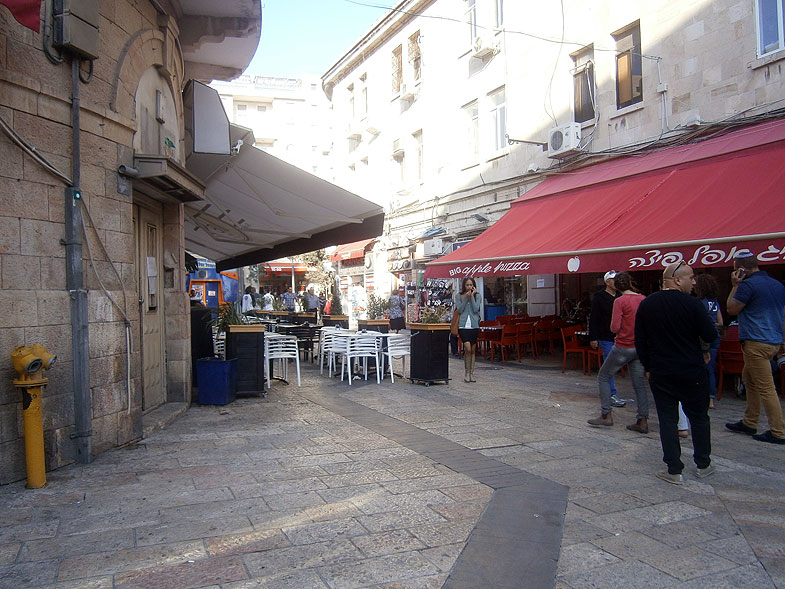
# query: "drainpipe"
[[80, 369]]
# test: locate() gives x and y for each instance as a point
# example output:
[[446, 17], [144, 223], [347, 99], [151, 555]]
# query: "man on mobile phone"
[[759, 302]]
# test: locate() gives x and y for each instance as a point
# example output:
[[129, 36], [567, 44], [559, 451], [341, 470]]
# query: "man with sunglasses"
[[759, 302], [672, 336]]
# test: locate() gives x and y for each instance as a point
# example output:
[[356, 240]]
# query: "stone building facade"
[[442, 84], [133, 144]]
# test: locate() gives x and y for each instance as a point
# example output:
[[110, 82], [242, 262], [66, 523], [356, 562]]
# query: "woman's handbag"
[[456, 317]]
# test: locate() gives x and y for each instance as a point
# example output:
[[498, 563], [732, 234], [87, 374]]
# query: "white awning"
[[259, 208]]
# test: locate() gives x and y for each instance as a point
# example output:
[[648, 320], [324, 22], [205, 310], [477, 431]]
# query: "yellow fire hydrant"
[[29, 361]]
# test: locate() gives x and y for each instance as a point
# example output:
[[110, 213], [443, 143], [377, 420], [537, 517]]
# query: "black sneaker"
[[767, 436], [740, 428]]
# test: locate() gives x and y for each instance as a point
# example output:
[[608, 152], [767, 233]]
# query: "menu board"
[[438, 292]]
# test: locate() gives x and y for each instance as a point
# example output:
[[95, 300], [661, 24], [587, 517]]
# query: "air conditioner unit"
[[407, 91], [483, 46], [564, 140], [433, 247]]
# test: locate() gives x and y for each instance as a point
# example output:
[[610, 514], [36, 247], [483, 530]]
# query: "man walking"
[[671, 331], [600, 334], [288, 298], [759, 302]]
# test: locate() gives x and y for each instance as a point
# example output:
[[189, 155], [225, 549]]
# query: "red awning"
[[702, 203], [283, 268], [350, 251]]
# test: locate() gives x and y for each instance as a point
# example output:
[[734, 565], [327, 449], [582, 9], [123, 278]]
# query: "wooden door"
[[148, 224]]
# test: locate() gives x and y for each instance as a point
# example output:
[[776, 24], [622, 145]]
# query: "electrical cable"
[[127, 322], [32, 151], [479, 26], [89, 72]]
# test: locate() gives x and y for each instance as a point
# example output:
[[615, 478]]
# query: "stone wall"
[[35, 100]]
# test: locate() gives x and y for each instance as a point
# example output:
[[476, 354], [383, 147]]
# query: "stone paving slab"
[[404, 486]]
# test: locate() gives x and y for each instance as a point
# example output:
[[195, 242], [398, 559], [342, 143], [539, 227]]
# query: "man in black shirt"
[[671, 331], [600, 334]]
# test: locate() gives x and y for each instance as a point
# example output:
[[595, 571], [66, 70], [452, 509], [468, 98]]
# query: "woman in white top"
[[468, 305], [247, 302]]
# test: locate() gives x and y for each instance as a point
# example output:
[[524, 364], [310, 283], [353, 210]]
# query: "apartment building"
[[447, 111], [290, 117]]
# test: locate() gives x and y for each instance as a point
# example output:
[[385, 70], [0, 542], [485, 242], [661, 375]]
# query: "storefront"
[[701, 203]]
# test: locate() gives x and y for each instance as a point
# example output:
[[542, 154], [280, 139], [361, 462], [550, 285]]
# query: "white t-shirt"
[[267, 302], [247, 303]]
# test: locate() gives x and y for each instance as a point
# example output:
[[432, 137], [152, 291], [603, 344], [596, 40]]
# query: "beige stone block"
[[106, 339], [12, 457], [97, 92], [100, 308], [99, 151], [56, 204], [104, 433], [120, 247], [93, 182], [109, 399], [112, 40], [54, 306], [42, 238], [57, 410], [35, 172], [53, 273], [18, 98], [10, 160], [177, 349], [24, 199], [55, 338], [54, 109], [21, 272], [9, 422], [10, 235], [42, 133], [129, 426], [60, 377], [2, 52], [19, 309]]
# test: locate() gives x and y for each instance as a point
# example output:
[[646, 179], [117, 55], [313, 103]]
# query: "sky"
[[309, 36]]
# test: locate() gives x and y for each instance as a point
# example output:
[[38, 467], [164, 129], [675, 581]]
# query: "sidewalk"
[[495, 484]]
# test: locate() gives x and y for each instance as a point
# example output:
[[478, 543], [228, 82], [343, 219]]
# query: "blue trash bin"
[[216, 380]]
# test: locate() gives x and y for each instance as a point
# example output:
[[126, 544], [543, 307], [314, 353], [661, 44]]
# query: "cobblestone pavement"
[[498, 484]]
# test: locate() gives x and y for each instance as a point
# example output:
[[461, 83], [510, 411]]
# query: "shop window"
[[498, 112], [471, 115]]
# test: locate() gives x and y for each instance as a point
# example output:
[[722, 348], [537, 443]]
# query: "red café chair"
[[485, 337], [542, 335], [730, 360], [572, 345], [507, 340], [524, 336]]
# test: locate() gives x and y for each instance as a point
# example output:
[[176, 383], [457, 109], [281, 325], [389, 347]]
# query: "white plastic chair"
[[339, 346], [398, 346], [325, 345], [362, 346], [281, 348]]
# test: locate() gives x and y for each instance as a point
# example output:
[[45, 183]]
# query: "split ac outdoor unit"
[[564, 140], [483, 47], [433, 247]]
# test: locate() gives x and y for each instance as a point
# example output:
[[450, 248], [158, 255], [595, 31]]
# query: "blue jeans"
[[612, 364], [606, 346]]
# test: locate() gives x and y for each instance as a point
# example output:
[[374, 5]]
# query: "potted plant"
[[245, 343], [430, 345], [376, 311], [336, 316]]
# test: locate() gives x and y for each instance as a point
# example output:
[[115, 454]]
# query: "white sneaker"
[[704, 472], [674, 479]]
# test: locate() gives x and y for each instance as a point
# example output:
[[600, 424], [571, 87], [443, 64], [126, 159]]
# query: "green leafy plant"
[[337, 308], [435, 314], [377, 306], [228, 314]]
